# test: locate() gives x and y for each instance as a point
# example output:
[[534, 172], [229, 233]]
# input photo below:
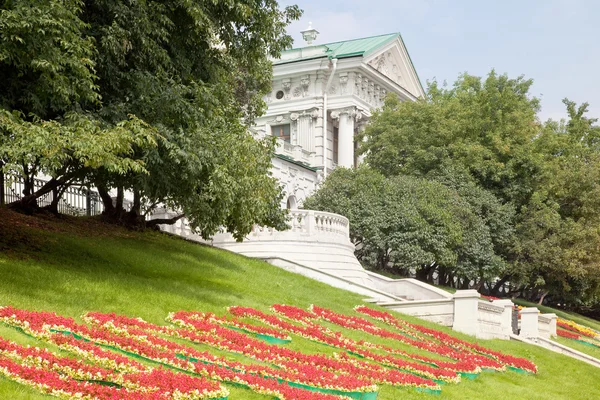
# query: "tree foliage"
[[407, 223], [521, 197], [166, 89]]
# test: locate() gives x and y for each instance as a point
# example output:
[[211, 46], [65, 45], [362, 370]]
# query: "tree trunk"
[[27, 181], [109, 208], [542, 297], [422, 273], [479, 284], [1, 183], [433, 267], [28, 203], [56, 195], [136, 208], [495, 291], [119, 202], [442, 276], [166, 221]]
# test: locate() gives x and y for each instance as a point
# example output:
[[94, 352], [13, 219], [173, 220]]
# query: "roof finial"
[[309, 34]]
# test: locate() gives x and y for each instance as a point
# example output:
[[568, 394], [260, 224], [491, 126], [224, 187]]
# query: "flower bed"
[[473, 348], [152, 347], [99, 382], [576, 328], [292, 375], [567, 334], [267, 334], [318, 333], [319, 365]]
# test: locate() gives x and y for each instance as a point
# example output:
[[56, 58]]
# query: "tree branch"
[[164, 221]]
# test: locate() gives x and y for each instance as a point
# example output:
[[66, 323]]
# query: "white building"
[[322, 95]]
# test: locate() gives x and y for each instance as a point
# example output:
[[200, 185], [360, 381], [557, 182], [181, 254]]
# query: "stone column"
[[465, 311], [529, 323], [345, 136], [506, 316]]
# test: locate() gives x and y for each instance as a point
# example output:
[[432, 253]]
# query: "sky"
[[554, 42]]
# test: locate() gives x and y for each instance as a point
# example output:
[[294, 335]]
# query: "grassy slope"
[[52, 266]]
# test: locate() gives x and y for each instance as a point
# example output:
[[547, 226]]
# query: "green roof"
[[346, 48], [359, 47]]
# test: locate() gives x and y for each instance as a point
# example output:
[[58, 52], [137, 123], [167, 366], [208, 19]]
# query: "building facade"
[[322, 95]]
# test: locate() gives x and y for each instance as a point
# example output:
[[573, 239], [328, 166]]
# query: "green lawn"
[[53, 266], [582, 347]]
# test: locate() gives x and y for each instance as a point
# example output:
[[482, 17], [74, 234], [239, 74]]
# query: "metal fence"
[[77, 200]]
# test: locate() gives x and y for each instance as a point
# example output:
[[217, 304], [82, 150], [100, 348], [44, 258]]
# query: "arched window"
[[292, 204]]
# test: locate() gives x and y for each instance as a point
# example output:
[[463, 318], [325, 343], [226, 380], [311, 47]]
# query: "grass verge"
[[72, 266]]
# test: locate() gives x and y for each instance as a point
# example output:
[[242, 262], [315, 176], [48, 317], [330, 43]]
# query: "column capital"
[[351, 112]]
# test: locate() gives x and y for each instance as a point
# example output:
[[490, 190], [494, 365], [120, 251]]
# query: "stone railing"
[[440, 311], [534, 325], [408, 288], [318, 225], [547, 325], [296, 152], [483, 319], [491, 322]]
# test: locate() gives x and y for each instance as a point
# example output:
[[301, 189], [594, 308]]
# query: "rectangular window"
[[336, 134], [281, 131]]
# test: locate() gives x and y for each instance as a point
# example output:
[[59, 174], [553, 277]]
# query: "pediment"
[[393, 62]]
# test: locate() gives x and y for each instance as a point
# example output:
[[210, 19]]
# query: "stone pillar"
[[552, 317], [529, 323], [506, 316], [465, 311], [345, 136]]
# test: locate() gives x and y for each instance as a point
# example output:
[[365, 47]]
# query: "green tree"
[[47, 80], [559, 254], [483, 126], [182, 79], [404, 223], [534, 185]]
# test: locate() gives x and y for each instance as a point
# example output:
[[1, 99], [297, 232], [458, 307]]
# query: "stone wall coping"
[[465, 294], [416, 302], [546, 317], [487, 306], [412, 281], [569, 351], [530, 310], [503, 302]]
